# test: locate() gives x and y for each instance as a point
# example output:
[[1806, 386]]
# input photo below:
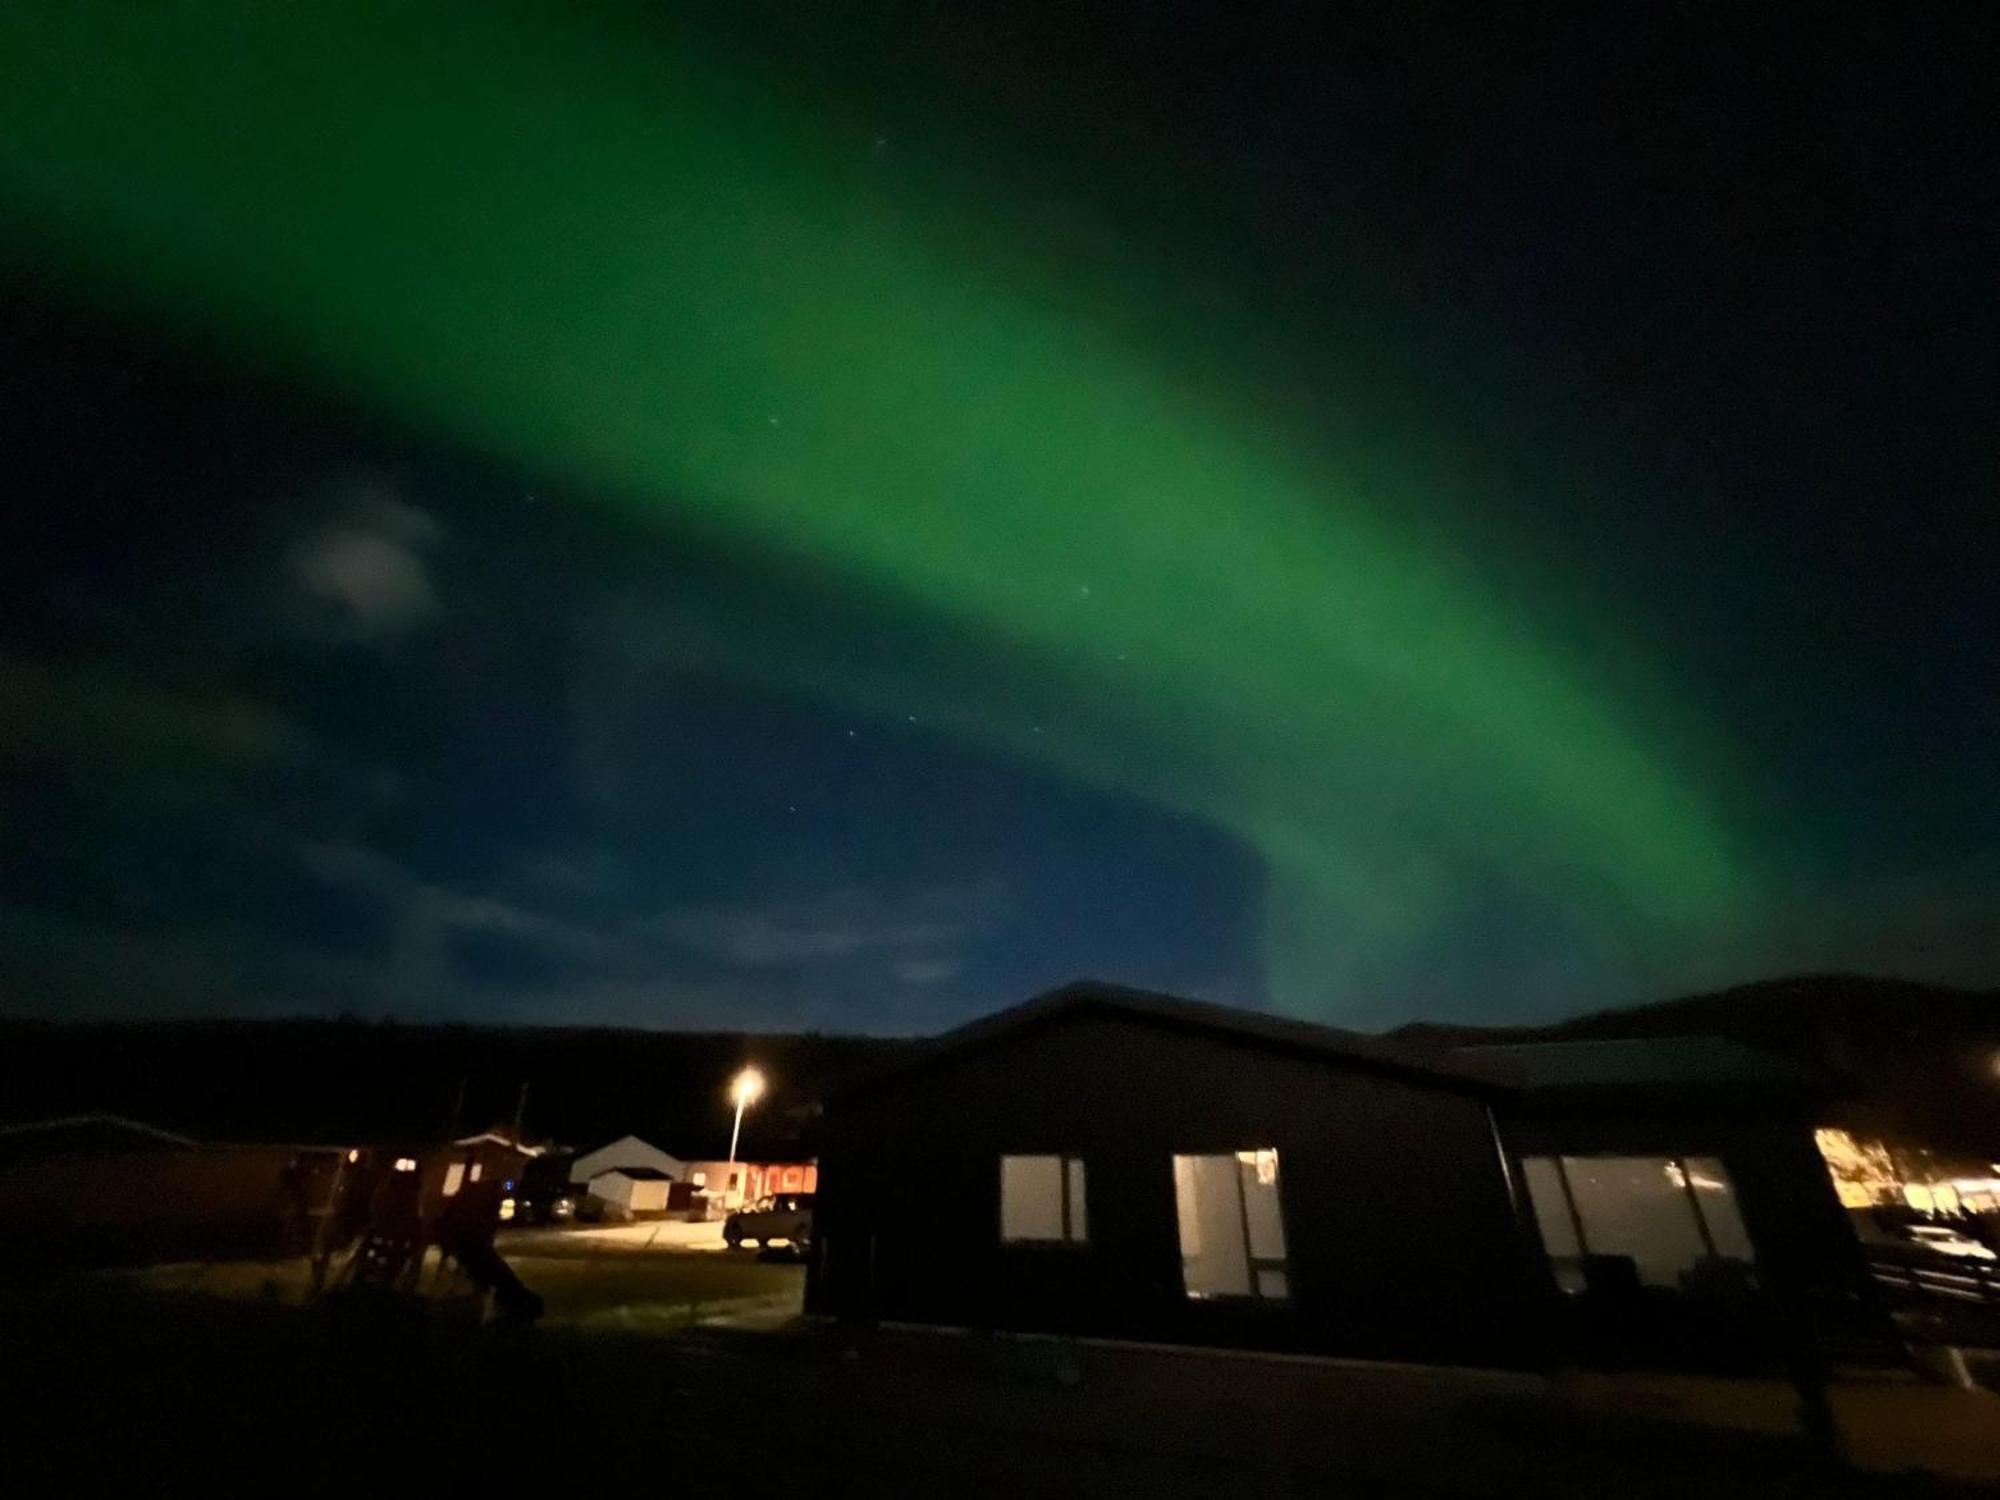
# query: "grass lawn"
[[619, 1289], [167, 1379]]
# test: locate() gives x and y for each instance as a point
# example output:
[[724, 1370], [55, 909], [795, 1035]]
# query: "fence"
[[1926, 1275]]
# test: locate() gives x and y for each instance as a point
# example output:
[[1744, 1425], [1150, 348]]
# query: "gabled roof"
[[101, 1124], [1247, 1028], [1678, 1062], [637, 1174], [628, 1140]]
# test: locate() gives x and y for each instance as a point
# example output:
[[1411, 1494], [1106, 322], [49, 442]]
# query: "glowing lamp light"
[[406, 1164], [747, 1087]]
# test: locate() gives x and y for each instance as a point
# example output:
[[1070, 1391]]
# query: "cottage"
[[628, 1192], [1108, 1162]]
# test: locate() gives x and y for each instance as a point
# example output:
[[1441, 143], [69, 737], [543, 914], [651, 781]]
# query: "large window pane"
[[1259, 1173], [1636, 1206], [1042, 1199], [1031, 1198], [1214, 1259]]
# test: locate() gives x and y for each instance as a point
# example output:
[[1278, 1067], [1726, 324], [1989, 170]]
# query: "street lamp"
[[746, 1089]]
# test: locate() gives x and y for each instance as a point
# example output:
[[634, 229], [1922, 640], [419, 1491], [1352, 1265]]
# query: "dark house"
[[1107, 1162]]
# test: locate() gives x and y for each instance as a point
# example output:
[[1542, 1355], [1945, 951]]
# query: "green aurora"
[[648, 272]]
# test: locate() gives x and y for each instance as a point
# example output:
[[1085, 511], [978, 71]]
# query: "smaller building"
[[631, 1192], [626, 1151]]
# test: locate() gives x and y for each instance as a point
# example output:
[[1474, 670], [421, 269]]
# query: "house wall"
[[767, 1179], [135, 1206], [1401, 1233], [613, 1188], [728, 1183], [647, 1197]]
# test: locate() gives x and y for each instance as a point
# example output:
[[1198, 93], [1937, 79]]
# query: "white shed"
[[626, 1151], [636, 1190]]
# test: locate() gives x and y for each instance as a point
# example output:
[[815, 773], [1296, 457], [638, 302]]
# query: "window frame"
[[1072, 1183], [1254, 1265], [1680, 1173]]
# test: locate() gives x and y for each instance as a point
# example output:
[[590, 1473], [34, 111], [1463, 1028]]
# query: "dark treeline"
[[343, 1080]]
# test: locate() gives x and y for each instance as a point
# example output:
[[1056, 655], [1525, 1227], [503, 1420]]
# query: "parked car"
[[540, 1208], [787, 1217], [1944, 1241]]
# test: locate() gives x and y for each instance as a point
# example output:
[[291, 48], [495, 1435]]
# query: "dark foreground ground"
[[118, 1382]]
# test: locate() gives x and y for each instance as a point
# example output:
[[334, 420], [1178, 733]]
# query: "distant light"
[[747, 1088], [406, 1164], [506, 1208], [353, 1156]]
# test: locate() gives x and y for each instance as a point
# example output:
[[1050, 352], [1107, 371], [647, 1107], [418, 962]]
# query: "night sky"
[[843, 515]]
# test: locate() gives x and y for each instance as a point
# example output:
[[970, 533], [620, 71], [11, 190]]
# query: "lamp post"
[[746, 1089]]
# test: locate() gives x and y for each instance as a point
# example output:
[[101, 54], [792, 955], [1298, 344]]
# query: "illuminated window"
[[477, 1168], [453, 1176], [1863, 1171], [1042, 1200], [1668, 1215], [1232, 1227]]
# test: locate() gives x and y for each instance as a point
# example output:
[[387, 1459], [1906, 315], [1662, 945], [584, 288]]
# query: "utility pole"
[[457, 1118]]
